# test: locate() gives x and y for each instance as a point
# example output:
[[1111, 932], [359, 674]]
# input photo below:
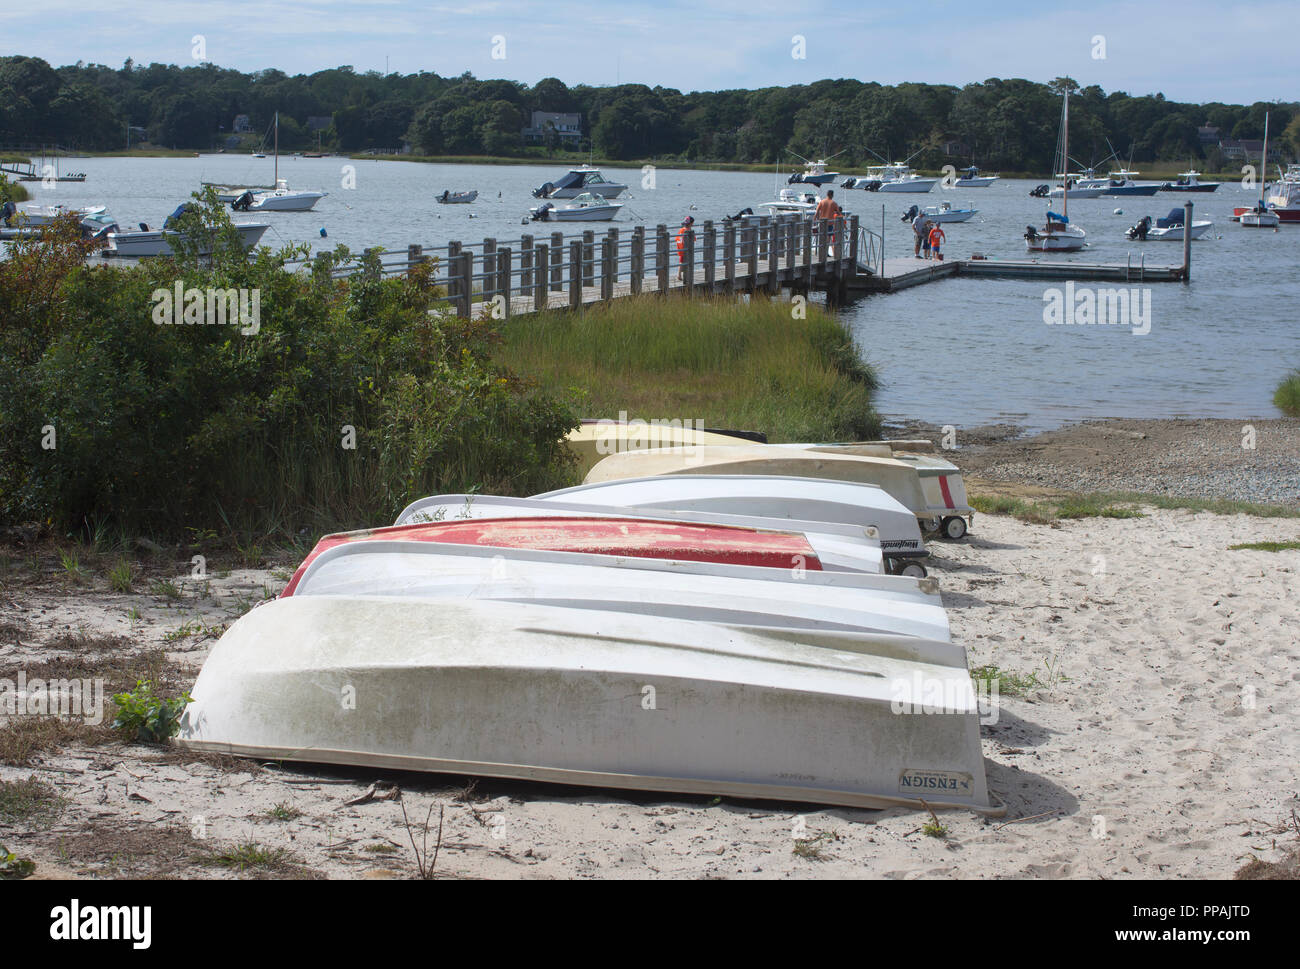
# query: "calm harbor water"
[[960, 351]]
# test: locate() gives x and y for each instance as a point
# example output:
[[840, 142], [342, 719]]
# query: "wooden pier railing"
[[539, 271]]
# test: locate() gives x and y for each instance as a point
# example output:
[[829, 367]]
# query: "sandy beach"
[[1147, 727]]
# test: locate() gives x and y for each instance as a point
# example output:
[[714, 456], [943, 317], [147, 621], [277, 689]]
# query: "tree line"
[[997, 123]]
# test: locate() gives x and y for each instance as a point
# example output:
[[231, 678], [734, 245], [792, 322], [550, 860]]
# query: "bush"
[[348, 400], [1287, 397]]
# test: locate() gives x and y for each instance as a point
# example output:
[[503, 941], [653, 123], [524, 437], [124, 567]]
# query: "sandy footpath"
[[1158, 736]]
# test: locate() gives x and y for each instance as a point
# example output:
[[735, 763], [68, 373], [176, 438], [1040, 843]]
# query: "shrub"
[[1287, 397], [349, 399]]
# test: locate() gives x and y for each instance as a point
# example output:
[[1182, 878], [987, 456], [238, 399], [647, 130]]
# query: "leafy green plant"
[[148, 718], [120, 578], [13, 867]]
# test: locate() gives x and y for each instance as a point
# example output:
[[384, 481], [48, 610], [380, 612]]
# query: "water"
[[960, 351]]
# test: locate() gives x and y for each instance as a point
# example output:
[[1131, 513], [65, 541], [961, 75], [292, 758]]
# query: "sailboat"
[[281, 198], [1058, 234], [1261, 216]]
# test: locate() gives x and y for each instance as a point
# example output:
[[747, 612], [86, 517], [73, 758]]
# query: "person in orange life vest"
[[828, 208], [936, 239], [681, 244]]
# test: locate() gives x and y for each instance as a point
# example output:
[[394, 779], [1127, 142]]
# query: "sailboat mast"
[[1263, 162], [277, 149], [1065, 157]]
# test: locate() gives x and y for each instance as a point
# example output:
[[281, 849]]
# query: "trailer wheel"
[[914, 570], [954, 527], [929, 525]]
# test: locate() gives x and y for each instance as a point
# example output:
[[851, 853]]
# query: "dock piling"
[[1187, 241]]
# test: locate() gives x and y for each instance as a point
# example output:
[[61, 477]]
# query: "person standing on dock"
[[921, 230], [827, 209], [937, 238], [681, 246]]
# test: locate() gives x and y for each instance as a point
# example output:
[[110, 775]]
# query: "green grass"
[[120, 578], [30, 803], [1265, 546], [250, 855], [283, 812], [1009, 683], [1287, 397], [725, 362], [1125, 504]]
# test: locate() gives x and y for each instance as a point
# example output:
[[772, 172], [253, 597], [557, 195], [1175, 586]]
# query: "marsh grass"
[[727, 362], [1287, 396], [1124, 504]]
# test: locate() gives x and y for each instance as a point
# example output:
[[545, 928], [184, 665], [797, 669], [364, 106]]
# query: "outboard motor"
[[1040, 191], [849, 183], [101, 234], [739, 215], [144, 226], [1031, 234], [544, 192], [795, 179], [910, 214], [7, 213], [1139, 232], [540, 213], [873, 185], [242, 203]]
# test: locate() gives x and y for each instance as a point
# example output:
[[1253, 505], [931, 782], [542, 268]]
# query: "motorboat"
[[37, 216], [581, 208], [839, 547], [593, 440], [1080, 185], [1285, 197], [814, 173], [456, 198], [791, 201], [94, 222], [146, 242], [704, 592], [1121, 184], [282, 199], [899, 474], [589, 697], [579, 181], [1169, 228], [1261, 216], [1189, 181], [971, 177], [897, 177], [864, 183], [772, 496], [943, 212]]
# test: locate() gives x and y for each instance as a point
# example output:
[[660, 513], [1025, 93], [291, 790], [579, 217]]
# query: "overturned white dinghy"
[[900, 474], [844, 548], [573, 696], [766, 496], [744, 596]]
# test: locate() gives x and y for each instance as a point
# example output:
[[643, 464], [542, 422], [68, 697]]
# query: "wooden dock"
[[758, 254]]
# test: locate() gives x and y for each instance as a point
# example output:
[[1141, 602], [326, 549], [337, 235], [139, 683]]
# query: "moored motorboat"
[[577, 696], [1169, 228], [897, 177], [1121, 184], [943, 212], [1189, 181], [971, 177], [582, 208], [281, 199], [584, 179], [814, 173], [145, 242], [456, 198], [774, 495], [791, 201]]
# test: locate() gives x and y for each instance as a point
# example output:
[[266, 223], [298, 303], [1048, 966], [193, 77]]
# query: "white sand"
[[1162, 743]]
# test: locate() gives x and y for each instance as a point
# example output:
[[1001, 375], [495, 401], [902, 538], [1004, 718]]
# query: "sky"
[[1190, 50]]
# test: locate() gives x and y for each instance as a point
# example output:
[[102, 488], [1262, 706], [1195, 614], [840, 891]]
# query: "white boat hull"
[[582, 697], [838, 547], [1175, 233], [773, 496], [1077, 193], [983, 181], [911, 185], [286, 201], [739, 595], [1252, 220], [153, 242]]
